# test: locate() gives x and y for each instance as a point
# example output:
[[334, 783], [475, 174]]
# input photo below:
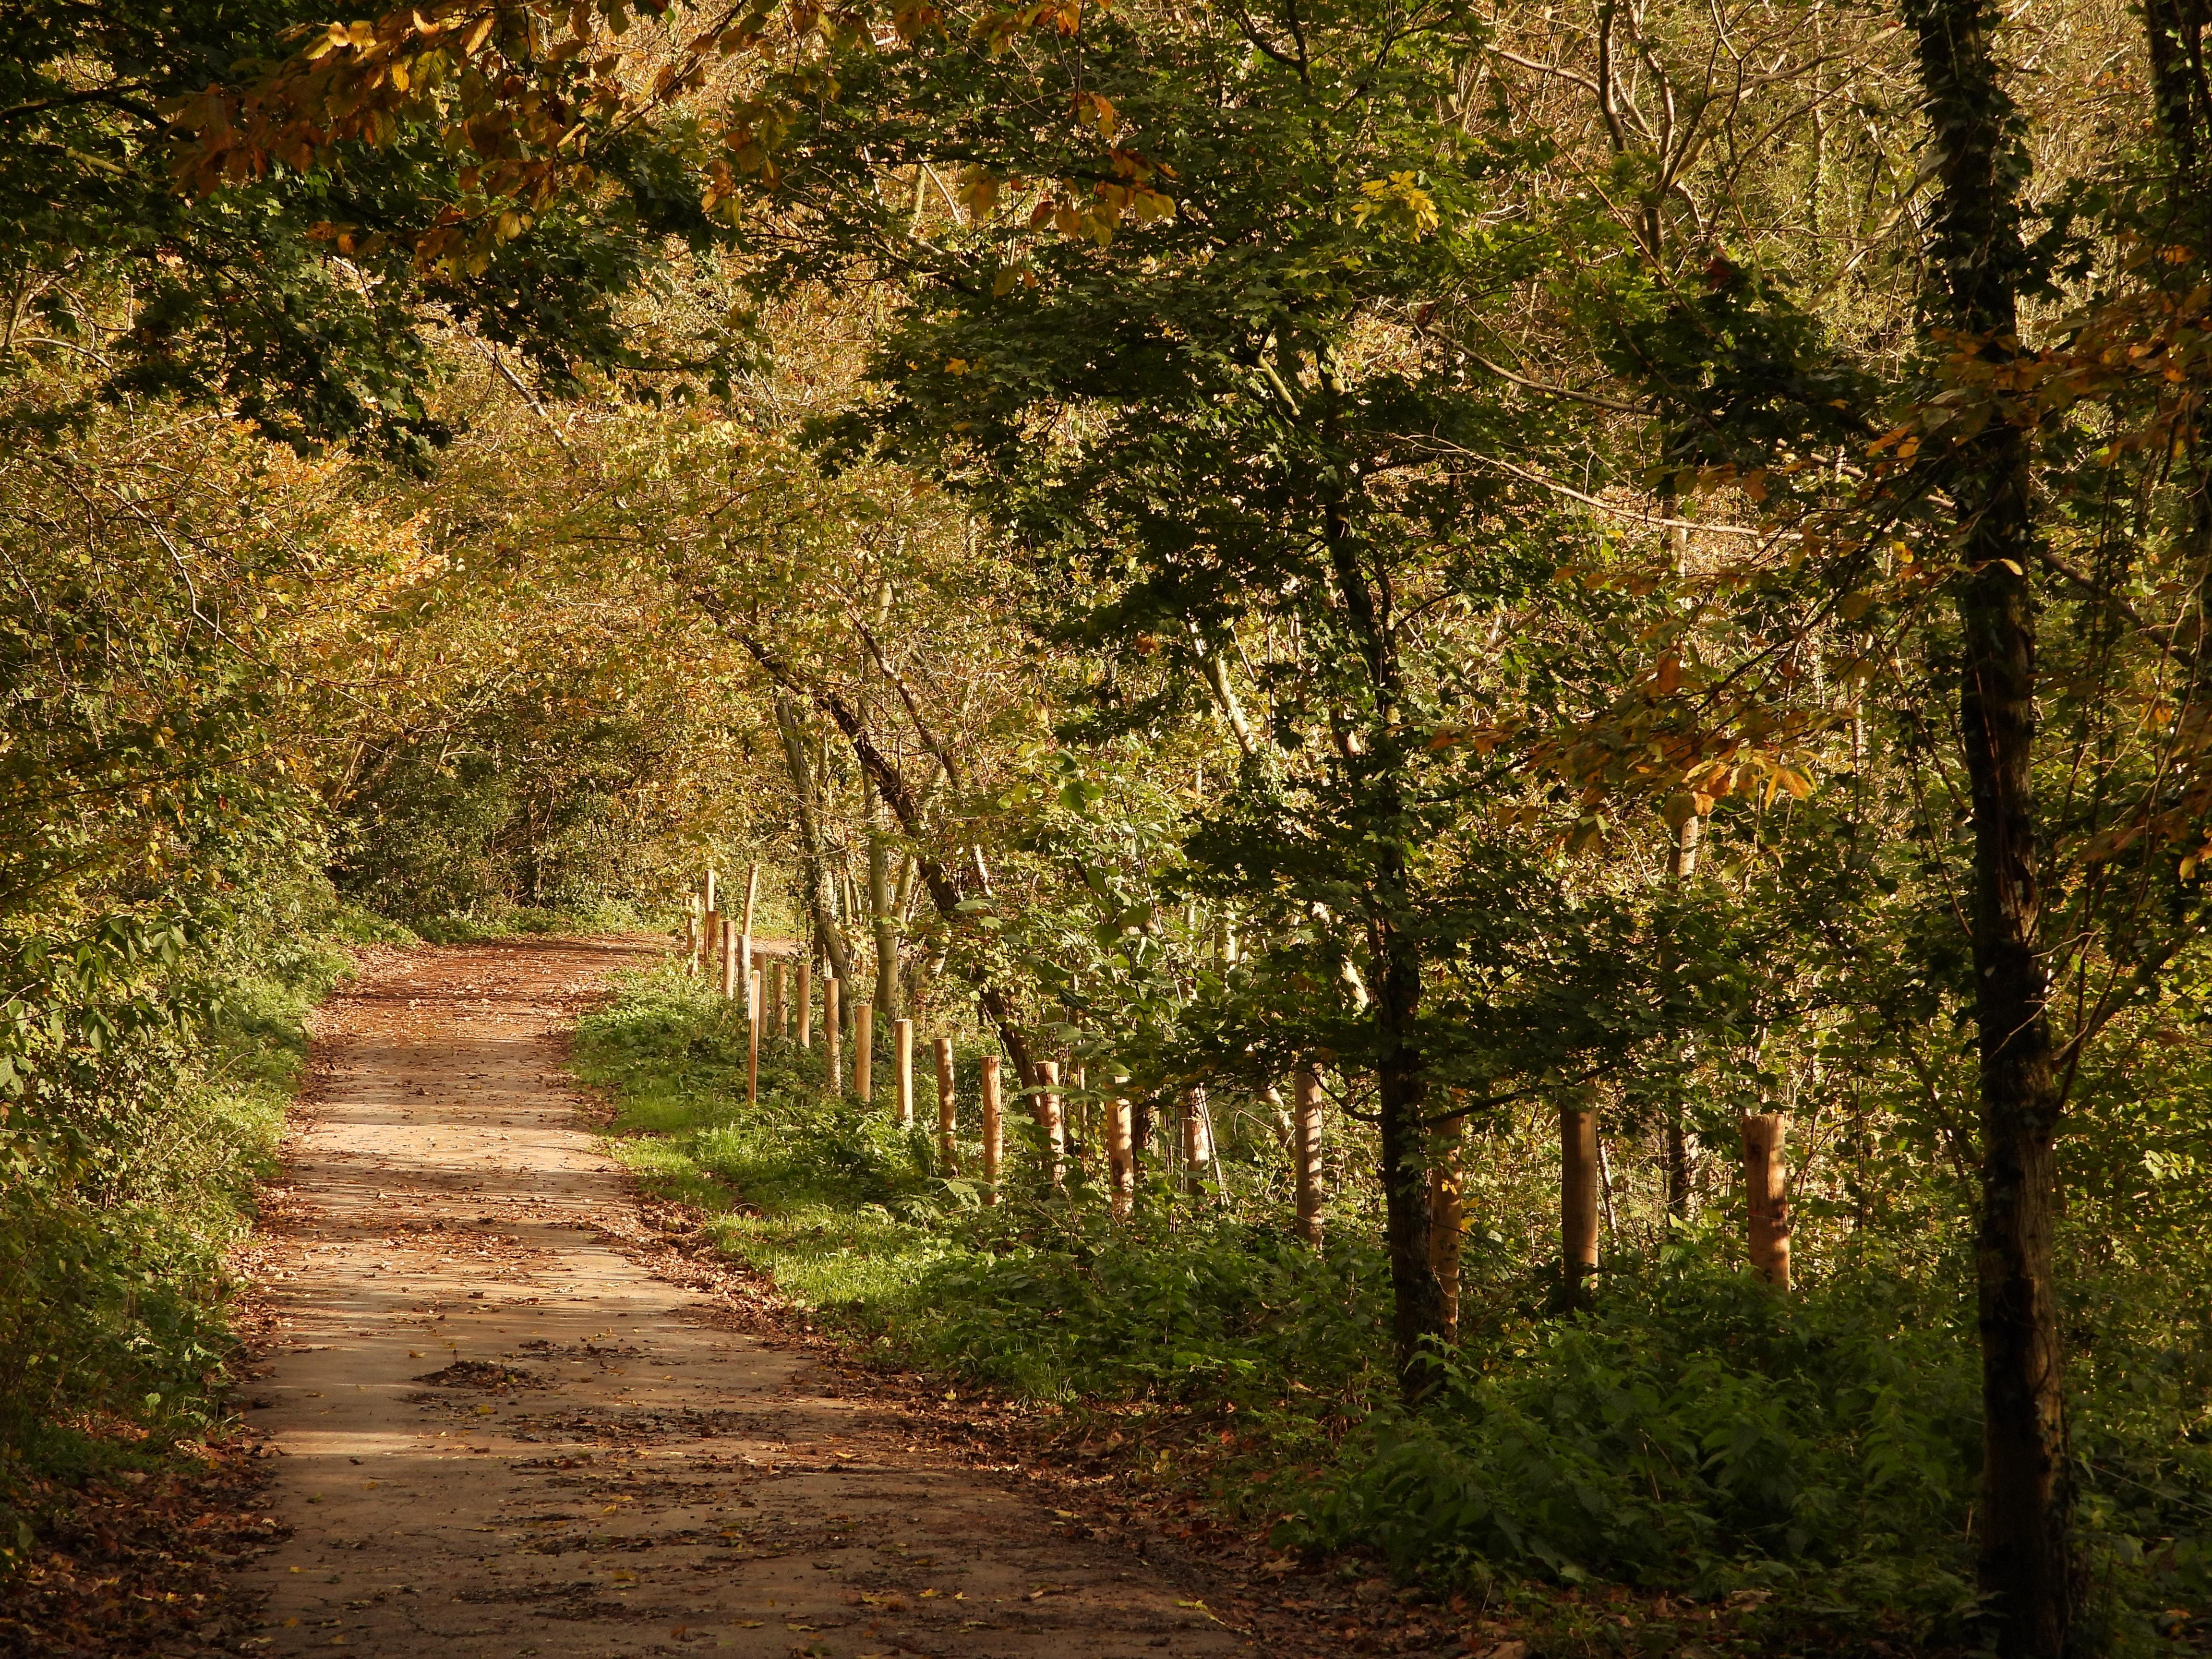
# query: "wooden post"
[[753, 892], [1578, 1179], [1120, 1154], [777, 1022], [752, 1038], [694, 932], [1048, 1117], [710, 942], [1447, 1188], [994, 1129], [1305, 1153], [864, 1051], [806, 1003], [1766, 1178], [902, 1069], [732, 970], [749, 976], [1197, 1136], [947, 1123], [707, 890], [832, 1038]]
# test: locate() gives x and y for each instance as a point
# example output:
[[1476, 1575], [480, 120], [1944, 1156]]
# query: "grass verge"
[[1696, 1463]]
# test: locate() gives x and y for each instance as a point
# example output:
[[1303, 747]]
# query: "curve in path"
[[498, 1434]]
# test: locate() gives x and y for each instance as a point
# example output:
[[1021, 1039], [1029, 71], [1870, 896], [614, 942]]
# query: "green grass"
[[834, 1201]]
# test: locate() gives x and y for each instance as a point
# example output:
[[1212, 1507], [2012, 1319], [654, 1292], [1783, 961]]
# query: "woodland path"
[[497, 1432]]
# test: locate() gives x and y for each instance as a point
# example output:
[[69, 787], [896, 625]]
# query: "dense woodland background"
[[1604, 583]]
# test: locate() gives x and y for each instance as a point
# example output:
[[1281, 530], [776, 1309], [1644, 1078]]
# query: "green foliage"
[[1693, 1432], [113, 1263], [295, 298]]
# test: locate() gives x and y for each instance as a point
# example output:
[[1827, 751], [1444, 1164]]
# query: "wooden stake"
[[749, 976], [1766, 1178], [1121, 1155], [752, 1039], [994, 1129], [707, 890], [902, 1068], [776, 1023], [1578, 1179], [832, 1038], [806, 1003], [1447, 1188], [864, 1051], [1305, 1153], [695, 933], [1048, 1117], [732, 970], [710, 942], [947, 1123], [753, 892]]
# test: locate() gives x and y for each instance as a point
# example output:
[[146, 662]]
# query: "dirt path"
[[498, 1434]]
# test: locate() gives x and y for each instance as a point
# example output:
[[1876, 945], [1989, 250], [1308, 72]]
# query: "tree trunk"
[[1446, 1189], [1579, 1199], [880, 915], [1121, 1156], [1395, 962], [1197, 1139], [1681, 865], [948, 1121], [2030, 1574], [1678, 1166], [814, 865], [1305, 1153], [1766, 1189], [2182, 91], [994, 1129], [937, 881]]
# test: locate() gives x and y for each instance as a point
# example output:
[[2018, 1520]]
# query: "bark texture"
[[1766, 1187], [1395, 955], [1578, 1206], [2030, 1575]]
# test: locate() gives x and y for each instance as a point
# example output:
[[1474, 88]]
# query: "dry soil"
[[497, 1432]]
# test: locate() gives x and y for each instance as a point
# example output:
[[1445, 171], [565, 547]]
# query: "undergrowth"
[[1808, 1461], [113, 1311]]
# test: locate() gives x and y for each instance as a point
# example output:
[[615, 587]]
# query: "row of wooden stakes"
[[725, 945]]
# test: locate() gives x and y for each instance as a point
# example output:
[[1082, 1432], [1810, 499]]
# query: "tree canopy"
[[1621, 582]]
